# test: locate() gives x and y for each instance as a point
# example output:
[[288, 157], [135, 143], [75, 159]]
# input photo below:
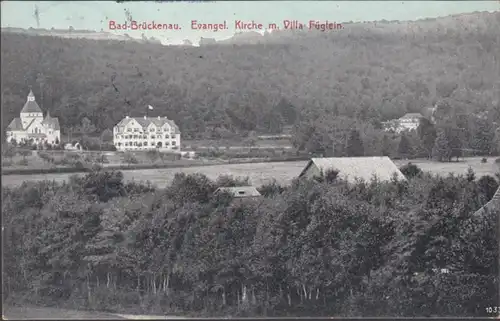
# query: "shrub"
[[22, 162], [78, 165], [331, 175], [411, 170], [102, 159], [484, 160], [129, 158], [487, 186], [271, 189]]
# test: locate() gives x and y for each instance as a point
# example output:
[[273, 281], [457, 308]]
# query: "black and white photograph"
[[250, 159]]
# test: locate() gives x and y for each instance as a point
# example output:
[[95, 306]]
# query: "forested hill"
[[380, 70]]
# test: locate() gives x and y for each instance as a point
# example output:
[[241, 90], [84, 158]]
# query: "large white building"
[[31, 125], [136, 133]]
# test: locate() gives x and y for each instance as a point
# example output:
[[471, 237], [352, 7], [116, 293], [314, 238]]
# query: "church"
[[31, 125]]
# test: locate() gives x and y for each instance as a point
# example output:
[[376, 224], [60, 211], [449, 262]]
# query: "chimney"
[[159, 117], [145, 117], [126, 117]]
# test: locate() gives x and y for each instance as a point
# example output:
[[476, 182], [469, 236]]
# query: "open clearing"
[[262, 173]]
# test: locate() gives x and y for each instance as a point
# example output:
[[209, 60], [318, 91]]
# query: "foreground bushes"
[[314, 248]]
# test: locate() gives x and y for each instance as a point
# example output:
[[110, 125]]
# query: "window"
[[174, 143], [167, 143], [119, 144], [136, 129], [167, 136], [145, 137], [153, 137], [129, 129], [153, 144], [152, 129]]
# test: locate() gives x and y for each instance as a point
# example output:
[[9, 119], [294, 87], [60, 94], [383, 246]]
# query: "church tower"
[[30, 111]]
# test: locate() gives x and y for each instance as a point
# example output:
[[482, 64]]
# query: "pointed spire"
[[31, 96]]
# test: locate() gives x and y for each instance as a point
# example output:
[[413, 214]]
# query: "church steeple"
[[31, 96], [31, 107]]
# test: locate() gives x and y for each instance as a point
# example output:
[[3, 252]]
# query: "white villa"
[[136, 133], [408, 122], [32, 125]]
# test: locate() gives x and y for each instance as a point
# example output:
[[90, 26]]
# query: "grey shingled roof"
[[145, 122], [493, 204], [15, 124], [241, 191], [31, 106], [351, 168]]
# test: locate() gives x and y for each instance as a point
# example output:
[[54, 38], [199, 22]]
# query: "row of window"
[[39, 131], [139, 144], [167, 136], [152, 129]]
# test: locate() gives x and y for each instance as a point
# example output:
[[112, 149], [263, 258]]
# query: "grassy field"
[[40, 313], [262, 173]]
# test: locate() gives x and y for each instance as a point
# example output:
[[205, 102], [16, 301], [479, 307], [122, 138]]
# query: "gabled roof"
[[51, 122], [241, 191], [145, 122], [15, 124], [493, 204], [351, 168], [31, 106], [412, 116]]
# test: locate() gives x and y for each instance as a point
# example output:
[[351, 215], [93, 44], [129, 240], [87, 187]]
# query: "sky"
[[94, 15]]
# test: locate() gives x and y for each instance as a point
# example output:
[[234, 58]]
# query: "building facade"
[[136, 133], [32, 126], [408, 122]]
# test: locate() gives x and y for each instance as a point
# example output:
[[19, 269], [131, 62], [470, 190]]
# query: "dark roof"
[[241, 191], [351, 168], [145, 122], [15, 124], [31, 106]]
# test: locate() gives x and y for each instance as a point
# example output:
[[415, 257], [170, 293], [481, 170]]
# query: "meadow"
[[262, 173]]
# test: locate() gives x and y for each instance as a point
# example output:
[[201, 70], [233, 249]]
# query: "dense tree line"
[[366, 73], [319, 247]]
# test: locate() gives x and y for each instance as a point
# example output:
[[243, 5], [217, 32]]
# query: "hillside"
[[77, 34], [366, 71]]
